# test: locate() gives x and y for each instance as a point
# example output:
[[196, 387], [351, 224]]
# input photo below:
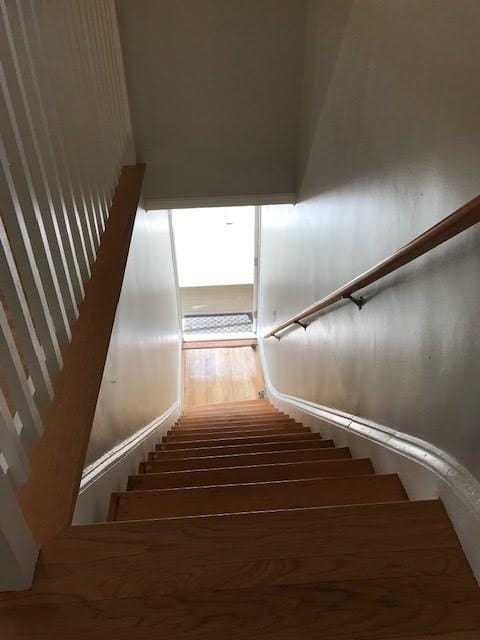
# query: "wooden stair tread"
[[234, 412], [233, 422], [167, 576], [454, 635], [348, 529], [384, 570], [257, 496], [324, 610], [168, 444], [240, 448], [187, 434], [233, 415], [247, 459], [259, 473]]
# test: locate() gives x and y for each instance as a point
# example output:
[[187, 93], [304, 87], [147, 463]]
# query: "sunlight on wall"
[[214, 246]]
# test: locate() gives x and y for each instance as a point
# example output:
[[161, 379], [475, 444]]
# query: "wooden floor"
[[299, 543], [221, 375]]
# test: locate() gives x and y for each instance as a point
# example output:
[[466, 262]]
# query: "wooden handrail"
[[452, 225], [46, 502]]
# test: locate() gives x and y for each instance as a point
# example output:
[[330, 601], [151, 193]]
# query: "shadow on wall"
[[326, 23], [396, 147]]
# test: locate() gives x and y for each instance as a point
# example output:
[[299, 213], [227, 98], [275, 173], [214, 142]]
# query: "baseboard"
[[426, 471], [110, 472]]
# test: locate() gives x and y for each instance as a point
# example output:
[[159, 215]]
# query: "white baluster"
[[11, 445], [16, 379], [27, 266], [18, 551], [39, 150], [22, 321]]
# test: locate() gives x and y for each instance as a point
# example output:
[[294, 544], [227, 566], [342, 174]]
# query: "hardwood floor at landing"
[[221, 375]]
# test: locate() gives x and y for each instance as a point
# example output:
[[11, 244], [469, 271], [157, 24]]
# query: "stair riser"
[[218, 462], [239, 475], [235, 449], [169, 444], [257, 497]]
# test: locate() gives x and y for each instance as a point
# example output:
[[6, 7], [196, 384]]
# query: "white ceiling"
[[215, 93]]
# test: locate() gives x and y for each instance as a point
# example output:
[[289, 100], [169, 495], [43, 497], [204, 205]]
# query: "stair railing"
[[449, 227], [65, 134]]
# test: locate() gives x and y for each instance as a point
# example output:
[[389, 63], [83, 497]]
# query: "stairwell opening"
[[215, 258]]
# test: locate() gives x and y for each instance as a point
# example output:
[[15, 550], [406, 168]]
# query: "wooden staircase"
[[243, 524]]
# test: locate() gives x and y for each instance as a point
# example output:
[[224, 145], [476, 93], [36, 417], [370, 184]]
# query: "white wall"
[[140, 379], [214, 88], [228, 299], [395, 147]]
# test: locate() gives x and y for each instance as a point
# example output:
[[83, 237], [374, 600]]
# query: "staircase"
[[244, 458], [273, 532], [245, 525]]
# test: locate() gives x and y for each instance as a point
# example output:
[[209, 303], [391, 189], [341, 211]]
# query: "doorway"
[[216, 251], [215, 256]]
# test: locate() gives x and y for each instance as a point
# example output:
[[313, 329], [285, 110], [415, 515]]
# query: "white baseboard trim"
[[110, 472], [157, 204], [426, 471]]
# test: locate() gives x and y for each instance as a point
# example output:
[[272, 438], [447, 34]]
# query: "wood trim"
[[219, 344], [449, 227], [48, 498], [125, 449], [113, 507]]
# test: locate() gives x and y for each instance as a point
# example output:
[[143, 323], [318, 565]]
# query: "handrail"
[[452, 225]]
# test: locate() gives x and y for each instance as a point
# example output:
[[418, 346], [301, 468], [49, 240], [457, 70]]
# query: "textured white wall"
[[229, 299], [140, 380], [395, 147]]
